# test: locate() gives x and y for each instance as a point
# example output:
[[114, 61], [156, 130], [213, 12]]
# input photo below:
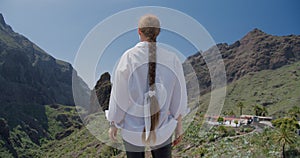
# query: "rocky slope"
[[100, 94], [24, 67], [247, 62], [256, 51], [29, 79]]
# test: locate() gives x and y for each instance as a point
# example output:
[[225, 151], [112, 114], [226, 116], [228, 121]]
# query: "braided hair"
[[149, 25]]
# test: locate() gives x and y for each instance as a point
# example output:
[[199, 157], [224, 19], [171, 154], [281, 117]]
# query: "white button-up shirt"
[[130, 89]]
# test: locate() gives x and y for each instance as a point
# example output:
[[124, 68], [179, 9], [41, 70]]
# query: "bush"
[[108, 151], [201, 151], [211, 138], [247, 130], [230, 132]]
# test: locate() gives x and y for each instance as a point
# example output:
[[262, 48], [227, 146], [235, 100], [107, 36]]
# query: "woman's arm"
[[179, 100], [119, 96], [112, 132], [178, 131]]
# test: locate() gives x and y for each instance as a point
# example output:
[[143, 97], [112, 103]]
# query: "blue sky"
[[59, 26]]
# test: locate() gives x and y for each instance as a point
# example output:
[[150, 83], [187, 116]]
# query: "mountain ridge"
[[30, 78], [254, 52], [22, 61]]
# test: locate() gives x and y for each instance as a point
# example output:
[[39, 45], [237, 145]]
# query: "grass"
[[30, 122], [278, 90]]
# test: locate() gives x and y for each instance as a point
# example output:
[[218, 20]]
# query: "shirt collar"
[[142, 44]]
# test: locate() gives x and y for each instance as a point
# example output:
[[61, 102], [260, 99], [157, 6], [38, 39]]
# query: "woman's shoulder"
[[167, 56], [133, 50], [126, 55], [140, 54]]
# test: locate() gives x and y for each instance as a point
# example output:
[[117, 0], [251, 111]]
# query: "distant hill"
[[256, 51], [278, 90]]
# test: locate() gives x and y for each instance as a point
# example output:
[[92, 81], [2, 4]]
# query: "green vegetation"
[[285, 137], [288, 123], [81, 143], [220, 120], [294, 112], [236, 122], [35, 128], [269, 92], [241, 106], [222, 141], [29, 129], [260, 110], [274, 91], [66, 137], [265, 93], [285, 134]]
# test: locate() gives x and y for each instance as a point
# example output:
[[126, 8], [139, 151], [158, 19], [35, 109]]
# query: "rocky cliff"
[[101, 94], [256, 51], [30, 75], [29, 79]]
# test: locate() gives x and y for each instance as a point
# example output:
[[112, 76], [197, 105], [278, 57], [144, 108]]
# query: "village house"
[[243, 119]]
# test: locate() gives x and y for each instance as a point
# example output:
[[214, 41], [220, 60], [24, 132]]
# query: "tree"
[[222, 130], [260, 111], [225, 113], [236, 122], [257, 109], [264, 111], [285, 133], [287, 123], [284, 137], [231, 113], [241, 106], [220, 120]]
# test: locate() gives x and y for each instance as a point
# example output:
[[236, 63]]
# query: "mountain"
[[82, 143], [38, 119], [29, 79], [256, 51], [269, 76], [256, 60], [278, 90], [24, 67], [100, 94]]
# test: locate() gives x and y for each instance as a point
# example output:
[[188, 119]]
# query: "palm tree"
[[241, 106], [220, 120], [236, 122], [264, 111], [231, 113], [257, 110], [290, 124], [284, 137], [260, 110]]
